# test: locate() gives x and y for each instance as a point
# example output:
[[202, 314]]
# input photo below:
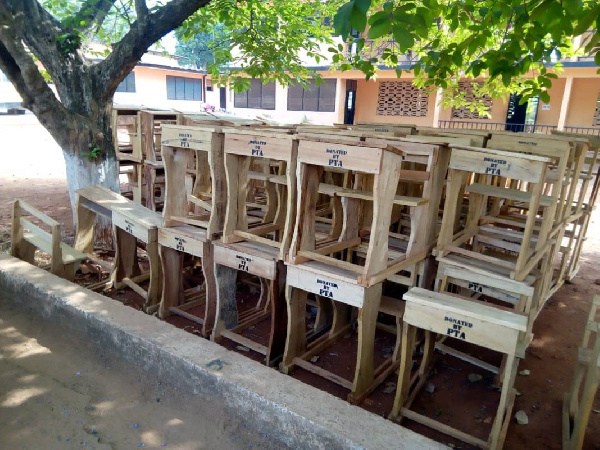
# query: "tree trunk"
[[86, 167], [81, 172]]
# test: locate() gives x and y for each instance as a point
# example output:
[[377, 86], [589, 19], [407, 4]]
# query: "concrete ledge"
[[295, 414]]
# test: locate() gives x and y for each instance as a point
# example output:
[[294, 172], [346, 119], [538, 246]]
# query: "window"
[[209, 86], [128, 84], [401, 98], [596, 121], [313, 98], [464, 112], [180, 88], [259, 96]]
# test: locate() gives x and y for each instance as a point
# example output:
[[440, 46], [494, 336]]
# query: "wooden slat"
[[133, 286], [443, 428], [510, 194], [322, 373], [331, 261], [37, 213], [253, 237], [255, 346], [196, 201], [69, 254], [331, 190]]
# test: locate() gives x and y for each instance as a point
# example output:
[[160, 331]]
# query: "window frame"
[[128, 84], [258, 96], [184, 88], [313, 98]]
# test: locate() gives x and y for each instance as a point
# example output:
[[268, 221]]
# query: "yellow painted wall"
[[498, 112], [550, 117], [366, 106], [584, 95]]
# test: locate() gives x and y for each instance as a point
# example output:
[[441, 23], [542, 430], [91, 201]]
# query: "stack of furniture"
[[434, 237]]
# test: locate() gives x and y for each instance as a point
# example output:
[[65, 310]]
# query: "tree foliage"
[[267, 40], [443, 41], [199, 49]]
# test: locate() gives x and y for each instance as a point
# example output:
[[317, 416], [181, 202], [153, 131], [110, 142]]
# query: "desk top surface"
[[121, 205]]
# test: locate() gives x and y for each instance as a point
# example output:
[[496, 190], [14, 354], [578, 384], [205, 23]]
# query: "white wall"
[[151, 90], [282, 115]]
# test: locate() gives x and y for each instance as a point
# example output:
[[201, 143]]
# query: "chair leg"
[[172, 286], [296, 329], [364, 373], [403, 390], [508, 380]]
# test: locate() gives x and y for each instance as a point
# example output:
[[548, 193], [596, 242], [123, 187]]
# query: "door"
[[350, 105], [223, 98], [516, 114]]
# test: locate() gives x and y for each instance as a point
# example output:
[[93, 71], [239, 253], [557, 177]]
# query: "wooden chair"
[[26, 237], [150, 141], [256, 244], [567, 155], [125, 125], [467, 320], [504, 176], [578, 220], [193, 218], [579, 401], [353, 279], [132, 222]]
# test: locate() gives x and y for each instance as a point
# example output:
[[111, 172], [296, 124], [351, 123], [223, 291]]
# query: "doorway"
[[516, 114], [223, 98], [350, 105]]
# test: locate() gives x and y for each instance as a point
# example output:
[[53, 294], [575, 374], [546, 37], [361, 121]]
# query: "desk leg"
[[295, 344], [225, 287], [278, 316], [154, 289], [403, 389], [172, 286], [126, 263], [150, 181], [84, 239], [364, 373], [325, 313], [208, 269]]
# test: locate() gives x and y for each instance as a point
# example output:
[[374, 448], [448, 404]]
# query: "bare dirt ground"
[[56, 393], [32, 169]]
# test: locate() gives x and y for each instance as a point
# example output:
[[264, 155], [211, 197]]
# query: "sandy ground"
[[33, 169], [57, 394]]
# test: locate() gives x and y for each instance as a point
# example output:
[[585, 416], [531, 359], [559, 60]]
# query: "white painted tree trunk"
[[82, 173]]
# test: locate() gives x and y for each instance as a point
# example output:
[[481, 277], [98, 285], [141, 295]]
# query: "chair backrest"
[[206, 143], [273, 155], [50, 241]]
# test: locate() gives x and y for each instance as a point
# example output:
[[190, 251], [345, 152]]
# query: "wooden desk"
[[132, 222]]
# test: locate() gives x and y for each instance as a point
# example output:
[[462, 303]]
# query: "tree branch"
[[40, 31], [24, 74], [92, 13], [141, 10], [143, 33]]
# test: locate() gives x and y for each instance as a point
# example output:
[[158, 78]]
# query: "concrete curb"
[[294, 414]]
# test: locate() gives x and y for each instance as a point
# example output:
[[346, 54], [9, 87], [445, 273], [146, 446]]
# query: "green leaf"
[[457, 58], [584, 24], [358, 20], [379, 29], [545, 97], [362, 5], [403, 37], [341, 20]]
